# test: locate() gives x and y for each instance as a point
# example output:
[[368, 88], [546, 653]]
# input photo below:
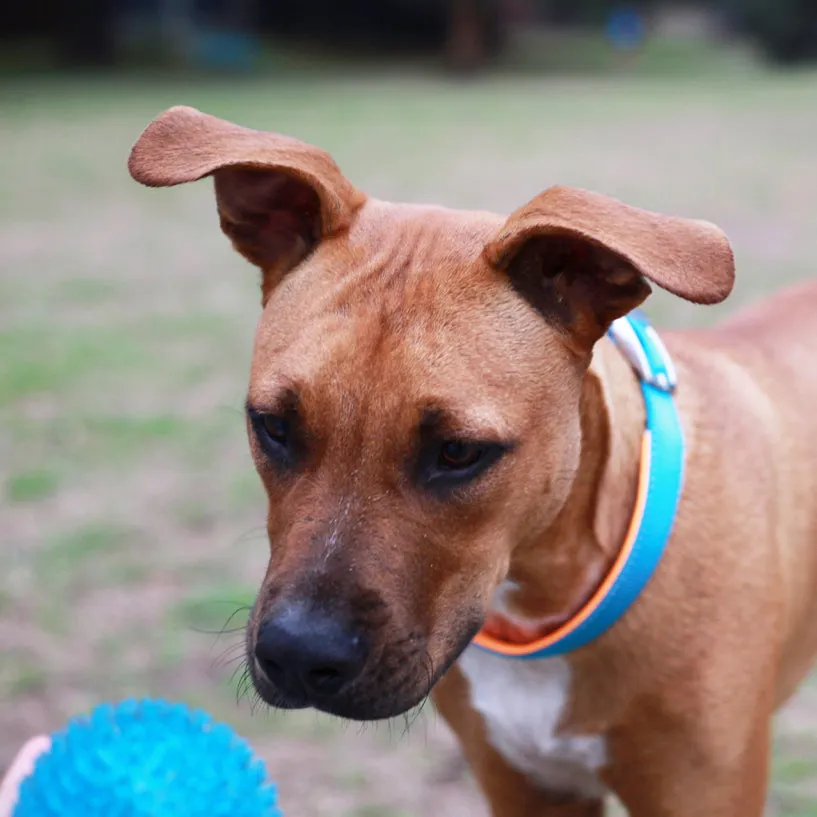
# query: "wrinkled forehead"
[[395, 257], [402, 311]]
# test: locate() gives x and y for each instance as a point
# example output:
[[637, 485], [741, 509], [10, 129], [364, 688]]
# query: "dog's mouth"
[[360, 702], [392, 683]]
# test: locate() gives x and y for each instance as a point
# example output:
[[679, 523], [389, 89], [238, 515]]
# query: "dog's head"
[[413, 409]]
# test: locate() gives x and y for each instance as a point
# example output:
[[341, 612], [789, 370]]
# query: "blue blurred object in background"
[[221, 49], [625, 28]]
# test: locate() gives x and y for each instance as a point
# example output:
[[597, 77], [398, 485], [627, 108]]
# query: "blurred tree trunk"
[[475, 33], [85, 32]]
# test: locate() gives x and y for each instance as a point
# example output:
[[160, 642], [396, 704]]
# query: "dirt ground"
[[131, 516]]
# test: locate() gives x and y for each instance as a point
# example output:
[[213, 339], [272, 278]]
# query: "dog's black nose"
[[306, 651]]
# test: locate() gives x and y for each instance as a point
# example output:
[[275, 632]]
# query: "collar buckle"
[[645, 351]]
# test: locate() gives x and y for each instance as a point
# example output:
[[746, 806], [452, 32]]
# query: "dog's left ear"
[[583, 259], [277, 197]]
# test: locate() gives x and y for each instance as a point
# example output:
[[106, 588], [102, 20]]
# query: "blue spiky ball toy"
[[147, 757]]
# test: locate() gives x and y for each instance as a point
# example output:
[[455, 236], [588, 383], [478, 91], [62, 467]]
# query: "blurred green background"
[[132, 520]]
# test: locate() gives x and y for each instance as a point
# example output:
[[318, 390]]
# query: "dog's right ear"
[[583, 259], [277, 197]]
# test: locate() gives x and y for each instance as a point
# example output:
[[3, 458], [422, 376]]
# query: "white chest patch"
[[522, 703]]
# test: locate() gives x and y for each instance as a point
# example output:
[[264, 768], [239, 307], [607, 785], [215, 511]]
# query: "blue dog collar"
[[659, 492]]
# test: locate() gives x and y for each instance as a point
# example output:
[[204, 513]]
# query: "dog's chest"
[[522, 703]]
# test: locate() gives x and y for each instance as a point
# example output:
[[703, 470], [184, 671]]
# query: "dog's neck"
[[552, 577]]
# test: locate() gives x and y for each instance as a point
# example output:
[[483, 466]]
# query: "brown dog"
[[447, 438]]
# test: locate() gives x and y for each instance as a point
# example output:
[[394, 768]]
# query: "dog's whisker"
[[228, 652], [232, 655], [228, 409], [227, 662], [259, 532], [226, 629], [244, 684]]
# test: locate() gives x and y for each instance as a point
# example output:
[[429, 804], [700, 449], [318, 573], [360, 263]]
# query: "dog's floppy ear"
[[583, 259], [276, 196]]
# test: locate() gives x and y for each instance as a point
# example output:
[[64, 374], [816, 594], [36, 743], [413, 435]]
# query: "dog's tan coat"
[[373, 310]]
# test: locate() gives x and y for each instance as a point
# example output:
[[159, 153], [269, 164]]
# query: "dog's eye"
[[456, 455], [446, 465], [276, 429], [275, 435]]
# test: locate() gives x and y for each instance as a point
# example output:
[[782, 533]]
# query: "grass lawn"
[[131, 516]]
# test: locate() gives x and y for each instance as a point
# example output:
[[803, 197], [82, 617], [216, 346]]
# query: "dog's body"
[[671, 708], [449, 442]]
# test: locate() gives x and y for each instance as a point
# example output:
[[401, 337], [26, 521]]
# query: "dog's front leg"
[[668, 775]]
